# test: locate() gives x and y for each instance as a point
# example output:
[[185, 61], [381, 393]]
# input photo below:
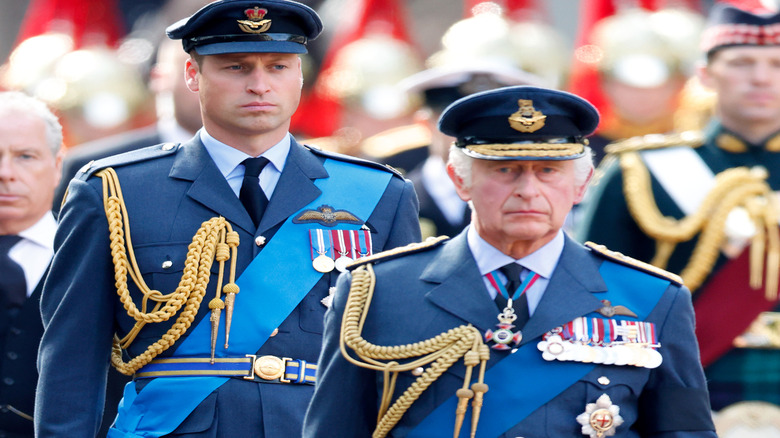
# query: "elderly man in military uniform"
[[511, 328], [209, 263], [703, 205]]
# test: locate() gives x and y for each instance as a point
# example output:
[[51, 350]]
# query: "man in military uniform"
[[586, 341], [703, 205], [210, 262]]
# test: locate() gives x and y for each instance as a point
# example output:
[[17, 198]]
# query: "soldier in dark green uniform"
[[703, 205]]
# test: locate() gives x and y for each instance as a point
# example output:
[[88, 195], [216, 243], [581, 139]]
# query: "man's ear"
[[460, 185], [191, 75], [583, 188]]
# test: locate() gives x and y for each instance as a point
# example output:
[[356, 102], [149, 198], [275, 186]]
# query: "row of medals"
[[554, 347], [324, 263]]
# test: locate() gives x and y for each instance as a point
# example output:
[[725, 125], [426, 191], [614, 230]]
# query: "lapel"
[[460, 289], [572, 291], [209, 187], [295, 188]]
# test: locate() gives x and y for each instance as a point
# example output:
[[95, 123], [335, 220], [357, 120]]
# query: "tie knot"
[[253, 166], [7, 241], [512, 271]]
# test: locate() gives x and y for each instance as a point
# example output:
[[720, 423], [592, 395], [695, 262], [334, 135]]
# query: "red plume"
[[88, 22]]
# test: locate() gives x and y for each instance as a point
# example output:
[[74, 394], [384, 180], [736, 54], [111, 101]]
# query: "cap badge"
[[256, 23], [527, 118], [601, 418]]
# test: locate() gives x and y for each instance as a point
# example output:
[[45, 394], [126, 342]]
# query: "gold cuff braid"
[[736, 187], [441, 352], [214, 239]]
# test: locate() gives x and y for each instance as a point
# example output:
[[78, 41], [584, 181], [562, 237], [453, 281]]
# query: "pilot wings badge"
[[327, 216]]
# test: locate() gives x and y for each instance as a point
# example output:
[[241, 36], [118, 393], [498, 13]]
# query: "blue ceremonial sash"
[[165, 402], [525, 381]]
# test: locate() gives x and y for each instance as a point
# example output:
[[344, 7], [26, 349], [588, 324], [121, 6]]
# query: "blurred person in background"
[[30, 139], [703, 205], [633, 65], [178, 117]]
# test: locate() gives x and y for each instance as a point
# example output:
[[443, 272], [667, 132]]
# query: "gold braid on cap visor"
[[529, 150]]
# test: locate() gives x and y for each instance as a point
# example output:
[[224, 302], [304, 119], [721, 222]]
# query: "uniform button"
[[12, 355], [604, 380], [167, 264], [168, 146], [275, 332], [8, 381], [259, 240]]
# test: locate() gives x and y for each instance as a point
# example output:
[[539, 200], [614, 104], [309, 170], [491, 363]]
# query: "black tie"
[[512, 272], [251, 194], [13, 286]]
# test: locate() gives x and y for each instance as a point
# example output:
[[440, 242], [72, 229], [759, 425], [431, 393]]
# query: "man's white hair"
[[461, 163], [20, 103]]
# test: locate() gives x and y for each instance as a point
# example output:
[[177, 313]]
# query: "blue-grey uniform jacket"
[[423, 294], [169, 192]]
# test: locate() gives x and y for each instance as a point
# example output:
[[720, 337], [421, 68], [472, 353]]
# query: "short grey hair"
[[461, 164], [18, 102]]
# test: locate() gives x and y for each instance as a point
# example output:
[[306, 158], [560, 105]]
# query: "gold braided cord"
[[214, 239], [440, 352], [734, 188], [528, 149]]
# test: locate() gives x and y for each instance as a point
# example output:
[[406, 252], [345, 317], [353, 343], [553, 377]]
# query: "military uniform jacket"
[[424, 294], [740, 374], [169, 192]]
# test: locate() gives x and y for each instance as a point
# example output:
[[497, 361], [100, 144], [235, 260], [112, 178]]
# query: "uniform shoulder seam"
[[625, 260], [353, 160], [656, 141], [412, 248], [130, 157]]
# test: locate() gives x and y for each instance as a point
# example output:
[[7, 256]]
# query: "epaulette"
[[656, 141], [355, 160], [634, 263], [412, 248], [396, 140], [134, 156]]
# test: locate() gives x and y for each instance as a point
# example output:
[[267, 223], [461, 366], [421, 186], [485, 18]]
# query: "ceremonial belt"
[[165, 402], [523, 381], [264, 369]]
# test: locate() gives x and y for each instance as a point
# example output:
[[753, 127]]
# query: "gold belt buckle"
[[268, 368]]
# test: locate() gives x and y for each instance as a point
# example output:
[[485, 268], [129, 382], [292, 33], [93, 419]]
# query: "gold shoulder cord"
[[441, 352], [214, 239], [734, 188]]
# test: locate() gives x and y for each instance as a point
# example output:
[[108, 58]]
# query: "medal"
[[342, 247], [322, 262], [503, 336], [600, 418]]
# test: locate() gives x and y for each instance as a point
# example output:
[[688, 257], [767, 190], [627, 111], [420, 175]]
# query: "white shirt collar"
[[228, 158], [542, 261], [42, 232]]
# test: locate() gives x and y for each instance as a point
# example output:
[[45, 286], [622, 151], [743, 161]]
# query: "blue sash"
[[525, 381], [165, 402]]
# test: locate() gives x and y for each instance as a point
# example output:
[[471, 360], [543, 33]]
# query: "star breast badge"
[[600, 419]]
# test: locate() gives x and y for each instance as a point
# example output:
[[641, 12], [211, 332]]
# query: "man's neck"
[[755, 133], [253, 145]]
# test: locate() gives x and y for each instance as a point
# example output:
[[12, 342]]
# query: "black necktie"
[[13, 286], [251, 194], [512, 272]]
